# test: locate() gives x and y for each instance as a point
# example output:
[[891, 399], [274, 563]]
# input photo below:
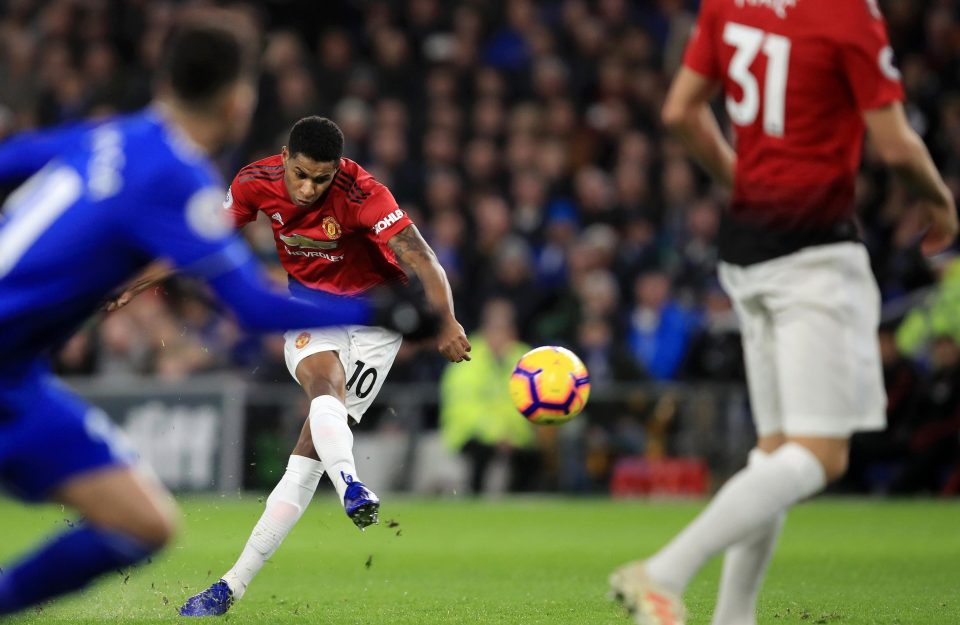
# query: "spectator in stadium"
[[938, 316], [660, 329], [510, 277], [203, 342], [77, 356], [477, 416], [697, 250], [606, 357], [716, 354]]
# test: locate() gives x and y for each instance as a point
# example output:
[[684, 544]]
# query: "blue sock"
[[66, 563]]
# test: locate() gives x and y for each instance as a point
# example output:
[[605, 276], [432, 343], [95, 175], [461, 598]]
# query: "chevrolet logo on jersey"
[[298, 240]]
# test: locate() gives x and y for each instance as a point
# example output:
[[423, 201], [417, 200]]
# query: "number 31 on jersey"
[[749, 42]]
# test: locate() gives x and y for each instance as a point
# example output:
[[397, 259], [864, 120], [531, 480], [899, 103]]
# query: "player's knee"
[[160, 531], [322, 374], [769, 443], [833, 459], [317, 382], [154, 527], [835, 466], [831, 453], [318, 387]]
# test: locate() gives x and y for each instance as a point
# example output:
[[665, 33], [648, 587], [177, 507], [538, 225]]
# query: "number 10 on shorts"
[[364, 377]]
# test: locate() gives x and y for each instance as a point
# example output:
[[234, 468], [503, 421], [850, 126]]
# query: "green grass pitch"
[[522, 561]]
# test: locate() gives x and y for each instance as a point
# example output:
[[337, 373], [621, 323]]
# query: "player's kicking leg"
[[322, 377], [341, 370], [325, 435]]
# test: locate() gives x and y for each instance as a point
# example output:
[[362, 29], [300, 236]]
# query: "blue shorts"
[[49, 435]]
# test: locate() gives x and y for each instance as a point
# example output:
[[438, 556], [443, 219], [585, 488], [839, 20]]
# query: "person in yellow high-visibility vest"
[[477, 416]]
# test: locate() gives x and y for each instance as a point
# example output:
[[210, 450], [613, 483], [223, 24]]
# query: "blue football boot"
[[361, 504], [213, 601]]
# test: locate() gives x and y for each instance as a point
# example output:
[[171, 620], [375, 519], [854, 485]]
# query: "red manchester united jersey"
[[797, 76], [338, 245]]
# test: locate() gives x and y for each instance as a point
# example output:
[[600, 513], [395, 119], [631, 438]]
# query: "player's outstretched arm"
[[413, 252], [261, 307], [686, 113], [905, 153], [388, 309]]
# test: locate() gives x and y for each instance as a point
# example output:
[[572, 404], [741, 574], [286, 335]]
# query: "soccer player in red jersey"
[[803, 80], [337, 231]]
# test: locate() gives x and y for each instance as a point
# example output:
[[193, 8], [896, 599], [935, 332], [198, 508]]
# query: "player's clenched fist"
[[942, 230], [452, 342]]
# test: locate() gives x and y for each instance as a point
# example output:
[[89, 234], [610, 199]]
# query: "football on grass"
[[550, 385]]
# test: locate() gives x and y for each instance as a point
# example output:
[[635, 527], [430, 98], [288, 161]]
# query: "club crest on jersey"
[[331, 227], [387, 221], [302, 340], [277, 218]]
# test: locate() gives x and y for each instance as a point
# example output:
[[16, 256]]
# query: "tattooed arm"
[[414, 253]]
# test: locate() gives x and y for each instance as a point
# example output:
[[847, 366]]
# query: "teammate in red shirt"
[[803, 80], [337, 231]]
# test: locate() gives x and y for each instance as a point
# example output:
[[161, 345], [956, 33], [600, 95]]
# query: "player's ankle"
[[236, 585]]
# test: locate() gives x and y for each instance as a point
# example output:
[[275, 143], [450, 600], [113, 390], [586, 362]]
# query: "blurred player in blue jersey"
[[103, 200]]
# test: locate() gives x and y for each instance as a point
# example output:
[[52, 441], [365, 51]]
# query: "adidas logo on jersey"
[[388, 221], [276, 217]]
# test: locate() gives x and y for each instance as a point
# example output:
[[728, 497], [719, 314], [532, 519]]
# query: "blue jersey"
[[102, 201]]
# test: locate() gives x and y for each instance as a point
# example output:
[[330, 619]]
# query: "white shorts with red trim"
[[809, 322], [366, 353]]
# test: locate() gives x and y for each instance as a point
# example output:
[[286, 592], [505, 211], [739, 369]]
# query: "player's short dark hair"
[[317, 138], [202, 59]]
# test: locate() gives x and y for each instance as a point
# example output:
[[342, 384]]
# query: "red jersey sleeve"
[[238, 204], [867, 58], [381, 214], [701, 52]]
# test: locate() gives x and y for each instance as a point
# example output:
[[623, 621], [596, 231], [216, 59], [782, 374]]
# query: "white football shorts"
[[366, 353], [809, 322]]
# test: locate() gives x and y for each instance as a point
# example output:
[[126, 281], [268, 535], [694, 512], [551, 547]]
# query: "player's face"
[[306, 179]]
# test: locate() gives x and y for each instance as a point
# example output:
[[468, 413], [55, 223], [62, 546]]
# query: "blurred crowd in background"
[[524, 140]]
